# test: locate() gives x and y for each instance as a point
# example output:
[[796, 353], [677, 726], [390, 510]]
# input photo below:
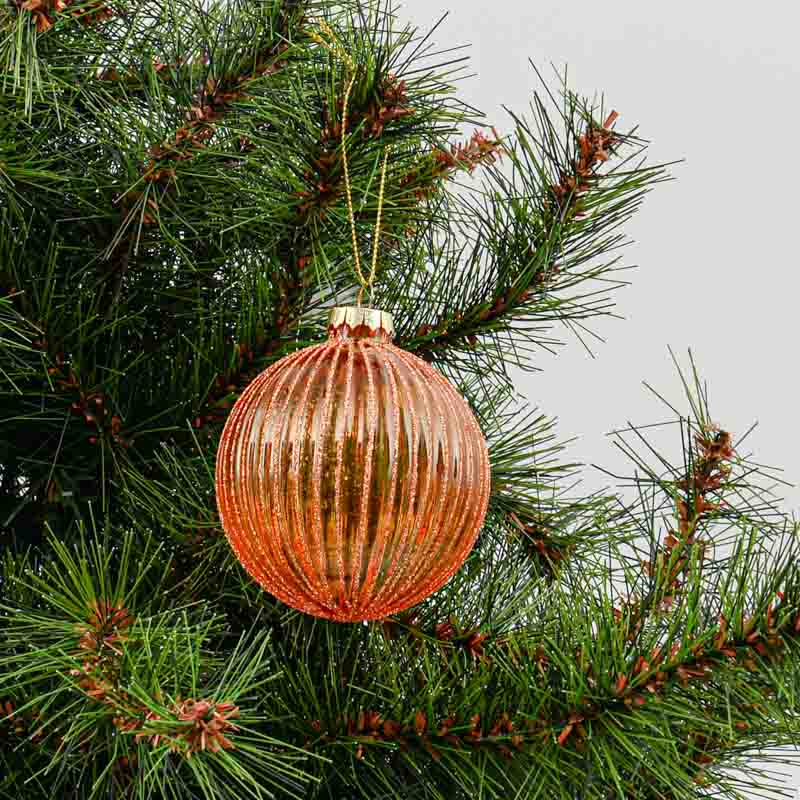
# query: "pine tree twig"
[[709, 469], [564, 202], [427, 178], [45, 12], [213, 101], [369, 727]]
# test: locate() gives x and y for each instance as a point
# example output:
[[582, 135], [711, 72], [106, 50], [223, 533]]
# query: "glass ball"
[[352, 479]]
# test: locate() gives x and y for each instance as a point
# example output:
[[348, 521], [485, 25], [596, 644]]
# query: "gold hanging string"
[[335, 48], [369, 283], [348, 191], [334, 45]]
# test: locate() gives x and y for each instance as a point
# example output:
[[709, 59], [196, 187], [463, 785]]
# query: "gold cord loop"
[[371, 280], [335, 48], [348, 191]]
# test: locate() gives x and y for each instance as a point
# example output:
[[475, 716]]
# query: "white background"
[[712, 83]]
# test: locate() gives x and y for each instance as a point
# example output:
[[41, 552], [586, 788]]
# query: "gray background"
[[715, 84]]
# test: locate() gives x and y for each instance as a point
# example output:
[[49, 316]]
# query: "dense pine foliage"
[[172, 221]]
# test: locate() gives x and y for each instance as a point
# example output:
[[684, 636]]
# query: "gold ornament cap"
[[375, 320]]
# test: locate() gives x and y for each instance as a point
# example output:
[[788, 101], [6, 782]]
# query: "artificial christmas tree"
[[173, 221]]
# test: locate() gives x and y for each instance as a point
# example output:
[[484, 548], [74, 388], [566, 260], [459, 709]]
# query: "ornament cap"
[[356, 316]]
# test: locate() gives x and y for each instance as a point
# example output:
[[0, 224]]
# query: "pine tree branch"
[[499, 278], [595, 146]]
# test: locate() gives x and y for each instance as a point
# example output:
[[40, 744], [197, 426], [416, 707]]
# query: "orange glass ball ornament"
[[352, 478]]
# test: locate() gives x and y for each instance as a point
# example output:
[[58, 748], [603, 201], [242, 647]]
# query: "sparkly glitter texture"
[[352, 479]]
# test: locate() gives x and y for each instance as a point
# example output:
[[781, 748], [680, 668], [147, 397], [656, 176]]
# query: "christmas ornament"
[[352, 478]]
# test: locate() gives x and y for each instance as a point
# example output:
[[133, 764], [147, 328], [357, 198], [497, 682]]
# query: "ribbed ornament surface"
[[352, 479]]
